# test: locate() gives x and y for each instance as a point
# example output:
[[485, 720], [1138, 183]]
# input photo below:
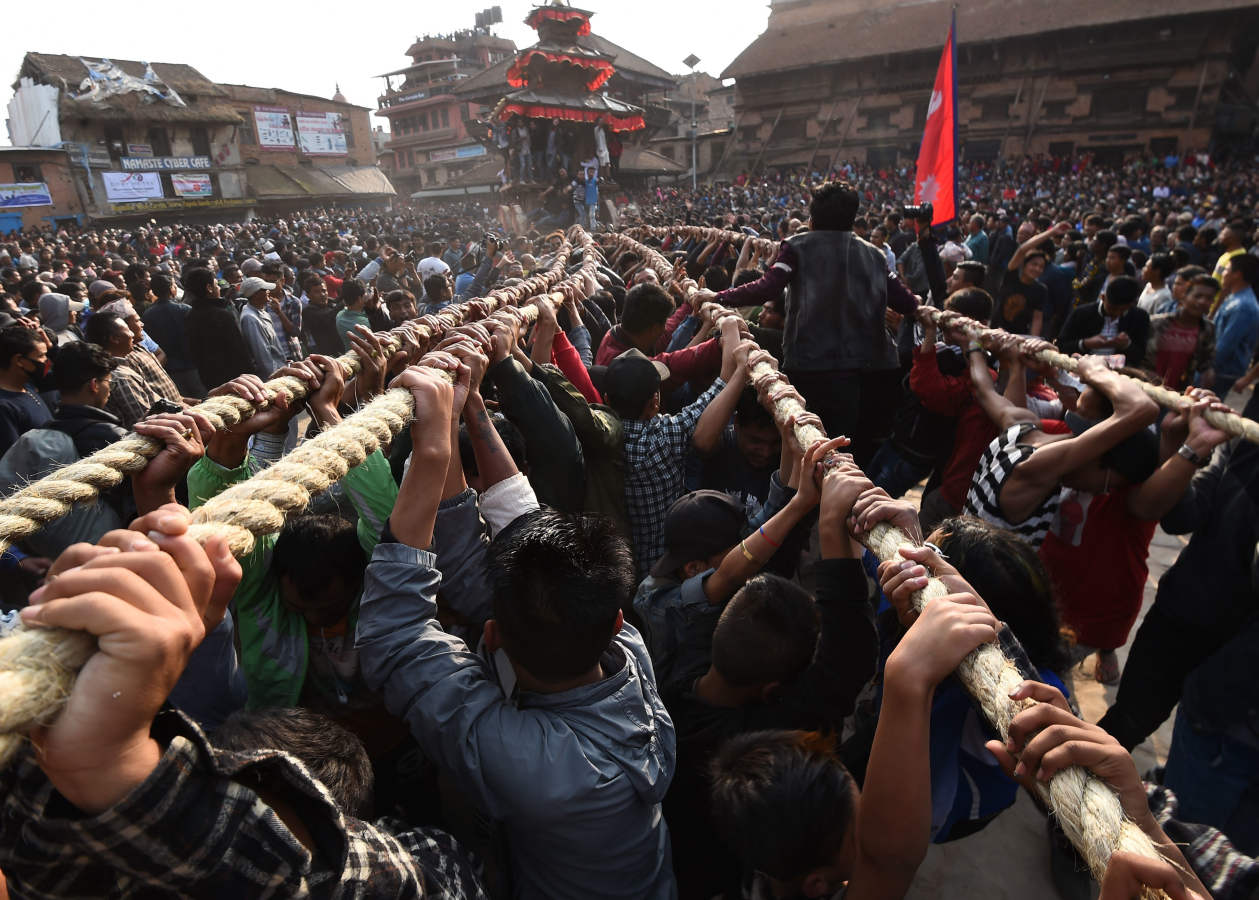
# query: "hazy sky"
[[320, 43]]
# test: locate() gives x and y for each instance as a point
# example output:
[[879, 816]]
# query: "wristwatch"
[[1188, 453]]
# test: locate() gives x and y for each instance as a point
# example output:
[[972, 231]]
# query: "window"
[[348, 130], [159, 140], [1055, 109], [114, 141], [200, 141], [792, 129], [1164, 146], [424, 121], [1061, 148], [24, 172], [245, 132], [879, 118], [1119, 100], [445, 117], [981, 151], [995, 109], [881, 157]]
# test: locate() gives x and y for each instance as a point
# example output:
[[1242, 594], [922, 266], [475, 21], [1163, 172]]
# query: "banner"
[[192, 185], [936, 178], [124, 186], [321, 134], [275, 128], [27, 193], [163, 163]]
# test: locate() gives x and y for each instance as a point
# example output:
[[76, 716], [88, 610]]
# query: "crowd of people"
[[596, 624]]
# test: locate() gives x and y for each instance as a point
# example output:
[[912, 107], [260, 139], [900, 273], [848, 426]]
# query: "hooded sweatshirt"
[[54, 314], [576, 778]]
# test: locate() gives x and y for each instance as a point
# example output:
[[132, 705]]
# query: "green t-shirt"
[[346, 320]]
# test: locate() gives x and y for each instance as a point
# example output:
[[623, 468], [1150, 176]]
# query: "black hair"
[[781, 801], [767, 633], [100, 328], [974, 272], [308, 278], [17, 340], [512, 439], [1121, 251], [750, 411], [78, 363], [313, 549], [435, 284], [398, 296], [352, 290], [196, 281], [974, 302], [1008, 573], [558, 581], [834, 206], [1247, 266], [1202, 279], [162, 285], [716, 278], [32, 290], [1106, 239], [1123, 290], [747, 276], [1162, 263], [335, 757], [646, 305], [1187, 233]]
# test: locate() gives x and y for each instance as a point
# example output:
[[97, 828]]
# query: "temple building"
[[850, 79]]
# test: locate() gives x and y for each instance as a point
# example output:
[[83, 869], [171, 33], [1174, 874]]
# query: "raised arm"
[[1016, 261], [1001, 411], [713, 421]]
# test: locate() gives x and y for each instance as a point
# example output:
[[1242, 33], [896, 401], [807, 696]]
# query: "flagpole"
[[953, 44]]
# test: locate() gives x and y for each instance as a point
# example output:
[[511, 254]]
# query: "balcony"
[[423, 138]]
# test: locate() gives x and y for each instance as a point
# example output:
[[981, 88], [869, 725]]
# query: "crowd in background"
[[596, 624]]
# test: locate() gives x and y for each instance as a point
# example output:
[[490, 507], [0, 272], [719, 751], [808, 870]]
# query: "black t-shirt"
[[1017, 302]]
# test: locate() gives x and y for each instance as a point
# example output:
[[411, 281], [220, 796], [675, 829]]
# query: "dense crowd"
[[595, 624]]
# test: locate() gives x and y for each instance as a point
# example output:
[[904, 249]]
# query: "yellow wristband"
[[750, 558]]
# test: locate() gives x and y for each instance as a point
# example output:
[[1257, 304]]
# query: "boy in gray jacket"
[[558, 732]]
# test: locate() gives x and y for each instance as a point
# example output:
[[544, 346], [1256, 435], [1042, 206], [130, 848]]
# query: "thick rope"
[[30, 508], [1087, 808], [764, 246], [38, 665], [1231, 422]]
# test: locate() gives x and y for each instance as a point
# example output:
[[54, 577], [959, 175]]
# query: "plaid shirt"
[[195, 829], [130, 394], [146, 364], [655, 455], [1225, 871]]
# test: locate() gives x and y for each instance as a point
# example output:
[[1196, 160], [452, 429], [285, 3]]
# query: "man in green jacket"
[[297, 604]]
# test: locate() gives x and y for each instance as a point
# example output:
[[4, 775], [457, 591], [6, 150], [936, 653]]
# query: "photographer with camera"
[[836, 347]]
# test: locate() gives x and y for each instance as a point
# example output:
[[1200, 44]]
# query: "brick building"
[[36, 189], [429, 139], [162, 138], [846, 79]]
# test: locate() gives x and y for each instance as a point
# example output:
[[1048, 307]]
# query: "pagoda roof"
[[573, 108], [559, 13], [598, 64]]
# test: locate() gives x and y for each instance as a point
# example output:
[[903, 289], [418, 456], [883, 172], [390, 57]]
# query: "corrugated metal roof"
[[801, 35], [268, 182]]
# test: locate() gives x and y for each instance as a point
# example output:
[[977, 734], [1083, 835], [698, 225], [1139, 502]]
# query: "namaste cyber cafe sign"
[[163, 163]]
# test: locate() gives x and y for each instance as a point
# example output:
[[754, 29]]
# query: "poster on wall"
[[192, 185], [27, 193], [321, 134], [121, 187], [275, 128]]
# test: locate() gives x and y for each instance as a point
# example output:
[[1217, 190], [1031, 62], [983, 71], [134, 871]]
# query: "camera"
[[923, 212]]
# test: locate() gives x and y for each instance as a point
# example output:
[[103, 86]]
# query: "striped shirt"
[[1003, 454]]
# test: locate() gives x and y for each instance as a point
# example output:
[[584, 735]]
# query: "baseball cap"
[[630, 380], [698, 525], [1135, 457], [430, 266], [250, 266], [253, 285]]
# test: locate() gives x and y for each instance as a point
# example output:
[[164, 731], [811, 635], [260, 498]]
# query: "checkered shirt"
[[195, 828], [655, 454]]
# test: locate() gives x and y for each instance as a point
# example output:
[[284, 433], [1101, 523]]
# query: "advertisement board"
[[26, 193], [275, 128], [187, 185], [125, 186], [321, 134], [163, 163]]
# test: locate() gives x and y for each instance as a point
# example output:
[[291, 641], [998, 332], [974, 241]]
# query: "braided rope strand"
[[1086, 807], [38, 665]]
